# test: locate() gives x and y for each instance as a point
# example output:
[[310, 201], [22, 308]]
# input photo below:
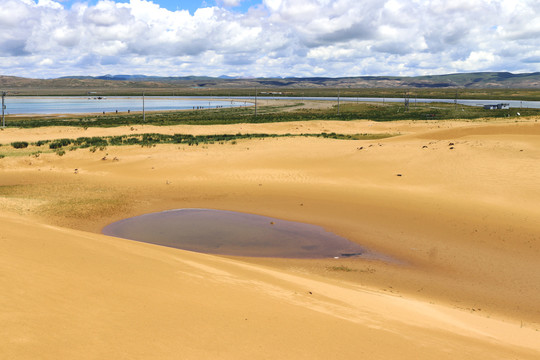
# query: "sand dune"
[[461, 224]]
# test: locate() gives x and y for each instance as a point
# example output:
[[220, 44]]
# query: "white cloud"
[[280, 38], [46, 62], [477, 60], [50, 4], [229, 3]]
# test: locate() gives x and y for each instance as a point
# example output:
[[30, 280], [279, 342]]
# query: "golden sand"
[[462, 219]]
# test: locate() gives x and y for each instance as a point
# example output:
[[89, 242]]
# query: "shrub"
[[132, 141], [59, 143], [340, 268], [116, 141], [19, 144], [96, 141], [41, 142]]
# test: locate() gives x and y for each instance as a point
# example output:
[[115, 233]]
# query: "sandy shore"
[[462, 219]]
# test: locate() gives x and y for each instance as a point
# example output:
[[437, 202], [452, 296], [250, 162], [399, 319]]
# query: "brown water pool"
[[234, 233]]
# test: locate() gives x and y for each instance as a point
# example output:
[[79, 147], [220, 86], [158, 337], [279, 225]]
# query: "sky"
[[267, 38]]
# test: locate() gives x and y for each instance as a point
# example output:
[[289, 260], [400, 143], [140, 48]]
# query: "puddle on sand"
[[234, 233]]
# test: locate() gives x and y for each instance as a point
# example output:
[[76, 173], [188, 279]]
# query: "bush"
[[133, 141], [116, 140], [42, 142], [19, 144], [59, 143], [96, 141]]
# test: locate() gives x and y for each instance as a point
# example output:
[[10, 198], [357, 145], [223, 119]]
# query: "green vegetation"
[[149, 140], [420, 93], [340, 268], [267, 114], [478, 85], [59, 143], [19, 144], [502, 93]]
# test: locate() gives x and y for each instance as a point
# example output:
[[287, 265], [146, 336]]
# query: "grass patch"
[[269, 114], [365, 136], [341, 268], [149, 140], [175, 89], [65, 200], [85, 208], [29, 151]]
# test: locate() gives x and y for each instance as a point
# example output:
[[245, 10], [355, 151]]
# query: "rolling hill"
[[462, 80]]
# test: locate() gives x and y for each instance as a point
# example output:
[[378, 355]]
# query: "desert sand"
[[461, 224]]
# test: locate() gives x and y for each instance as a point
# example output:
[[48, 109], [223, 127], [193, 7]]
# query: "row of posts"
[[3, 109], [407, 96], [4, 93], [406, 99]]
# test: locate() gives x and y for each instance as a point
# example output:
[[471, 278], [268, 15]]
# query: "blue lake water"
[[234, 233], [80, 105]]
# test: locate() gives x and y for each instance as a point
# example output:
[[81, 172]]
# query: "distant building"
[[501, 106]]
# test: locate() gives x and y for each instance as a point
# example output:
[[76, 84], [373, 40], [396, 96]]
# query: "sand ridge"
[[158, 302], [461, 221]]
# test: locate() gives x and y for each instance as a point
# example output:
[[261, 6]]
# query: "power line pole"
[[143, 113], [255, 101], [338, 93], [407, 98], [3, 109]]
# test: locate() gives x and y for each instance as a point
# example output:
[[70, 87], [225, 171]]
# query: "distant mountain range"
[[477, 80]]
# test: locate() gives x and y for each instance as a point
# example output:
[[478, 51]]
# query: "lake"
[[82, 105], [235, 233], [91, 104]]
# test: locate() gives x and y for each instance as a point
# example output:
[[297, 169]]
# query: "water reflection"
[[234, 233]]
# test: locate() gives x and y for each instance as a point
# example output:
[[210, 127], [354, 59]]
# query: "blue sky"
[[275, 38], [173, 5]]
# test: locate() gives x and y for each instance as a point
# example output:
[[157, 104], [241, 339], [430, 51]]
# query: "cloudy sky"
[[51, 38]]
